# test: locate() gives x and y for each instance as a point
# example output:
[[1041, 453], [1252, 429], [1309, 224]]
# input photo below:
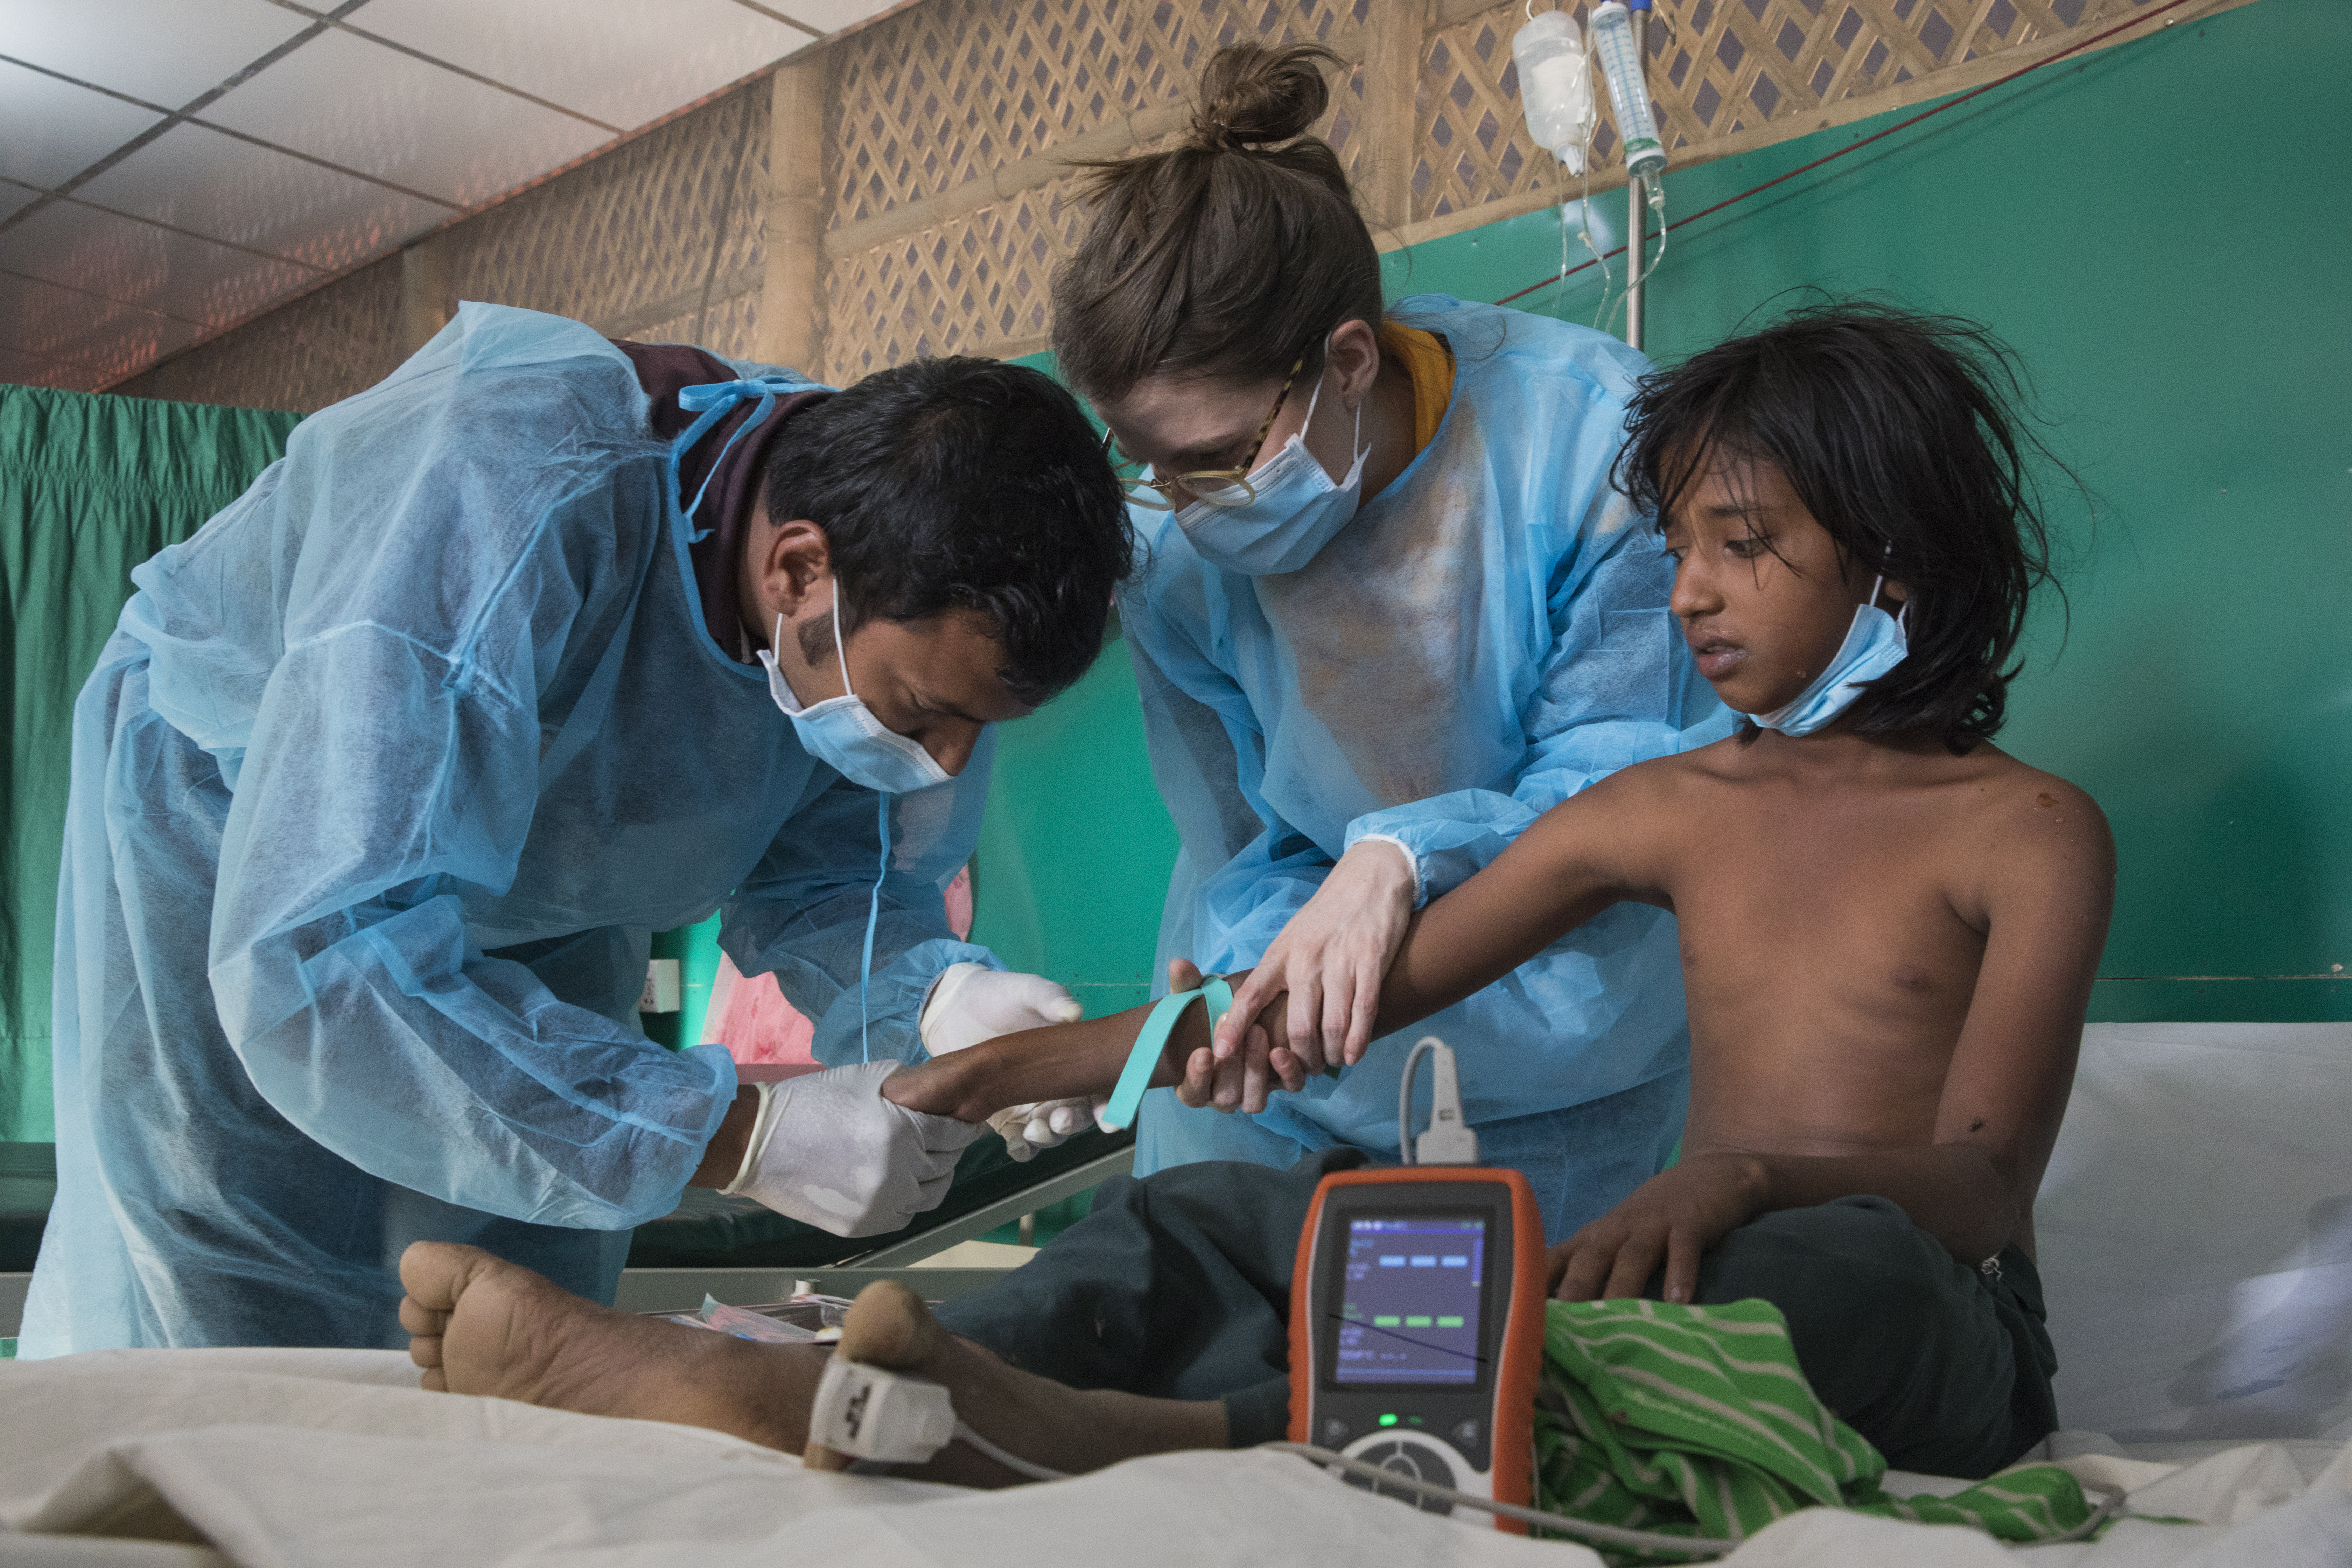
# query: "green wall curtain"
[[89, 486], [2180, 300], [2180, 306]]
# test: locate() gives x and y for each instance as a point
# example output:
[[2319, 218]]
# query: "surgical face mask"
[[1294, 512], [842, 731], [1874, 645]]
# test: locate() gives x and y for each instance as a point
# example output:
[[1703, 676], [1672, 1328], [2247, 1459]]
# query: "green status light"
[[1388, 1420]]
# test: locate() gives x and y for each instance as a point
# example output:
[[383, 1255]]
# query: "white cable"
[[1609, 1534], [1017, 1464], [1582, 1529], [1450, 1139], [2110, 1503], [1421, 1048]]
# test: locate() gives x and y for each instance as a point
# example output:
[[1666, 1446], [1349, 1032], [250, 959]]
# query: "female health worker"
[[1390, 611]]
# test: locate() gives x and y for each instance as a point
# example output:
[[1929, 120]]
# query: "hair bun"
[[1252, 95]]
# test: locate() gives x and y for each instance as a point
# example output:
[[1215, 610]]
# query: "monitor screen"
[[1409, 1301]]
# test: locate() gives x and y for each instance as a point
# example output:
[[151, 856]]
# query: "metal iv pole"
[[1637, 211]]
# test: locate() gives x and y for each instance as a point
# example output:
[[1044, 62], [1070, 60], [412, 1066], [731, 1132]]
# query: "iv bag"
[[1555, 87], [1629, 91]]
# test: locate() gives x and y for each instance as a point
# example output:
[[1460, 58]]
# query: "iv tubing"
[[1879, 136]]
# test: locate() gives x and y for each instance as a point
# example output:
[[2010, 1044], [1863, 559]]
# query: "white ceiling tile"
[[166, 51], [136, 263], [371, 108], [14, 196], [51, 131], [198, 178], [829, 15], [28, 370], [622, 61], [99, 339]]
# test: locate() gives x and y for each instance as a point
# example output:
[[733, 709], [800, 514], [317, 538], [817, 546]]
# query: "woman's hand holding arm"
[[1331, 958]]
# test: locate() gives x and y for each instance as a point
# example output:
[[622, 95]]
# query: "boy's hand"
[[1671, 1220], [1238, 1081]]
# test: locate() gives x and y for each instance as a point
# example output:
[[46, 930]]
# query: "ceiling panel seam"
[[358, 32], [244, 136], [92, 294], [328, 164], [778, 16], [171, 118], [196, 235]]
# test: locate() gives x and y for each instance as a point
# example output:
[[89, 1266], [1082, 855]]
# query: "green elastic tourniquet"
[[1128, 1097], [1698, 1420]]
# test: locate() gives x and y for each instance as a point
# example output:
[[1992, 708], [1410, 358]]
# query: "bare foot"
[[1035, 1418], [478, 1324]]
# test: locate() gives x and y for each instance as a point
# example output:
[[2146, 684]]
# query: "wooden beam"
[[1395, 33], [792, 294], [427, 300]]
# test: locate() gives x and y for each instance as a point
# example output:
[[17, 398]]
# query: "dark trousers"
[[1179, 1285]]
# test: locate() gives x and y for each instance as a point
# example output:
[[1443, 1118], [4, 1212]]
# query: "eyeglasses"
[[1218, 486]]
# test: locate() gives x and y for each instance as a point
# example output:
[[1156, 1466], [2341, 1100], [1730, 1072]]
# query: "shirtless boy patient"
[[1889, 928]]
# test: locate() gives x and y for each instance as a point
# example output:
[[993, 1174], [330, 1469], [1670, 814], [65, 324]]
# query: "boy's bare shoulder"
[[1657, 783], [2026, 819]]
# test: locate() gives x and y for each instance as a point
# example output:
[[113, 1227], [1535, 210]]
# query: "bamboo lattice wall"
[[945, 202]]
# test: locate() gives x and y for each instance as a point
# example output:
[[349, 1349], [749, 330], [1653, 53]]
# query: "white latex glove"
[[971, 1002], [1333, 957], [828, 1151]]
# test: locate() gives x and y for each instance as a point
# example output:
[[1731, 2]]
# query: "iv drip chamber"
[[1629, 91]]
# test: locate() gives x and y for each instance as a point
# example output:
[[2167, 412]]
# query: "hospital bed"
[[732, 1249], [2196, 1240]]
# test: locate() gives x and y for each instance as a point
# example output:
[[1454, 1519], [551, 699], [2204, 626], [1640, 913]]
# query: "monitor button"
[[1410, 1459], [1336, 1432], [1467, 1434]]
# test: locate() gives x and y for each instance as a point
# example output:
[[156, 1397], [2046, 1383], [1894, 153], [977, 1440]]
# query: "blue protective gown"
[[378, 789], [1486, 637]]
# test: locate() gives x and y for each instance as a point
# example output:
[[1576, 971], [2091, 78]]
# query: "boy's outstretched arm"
[[2044, 890], [1554, 878], [1070, 1061], [1572, 862]]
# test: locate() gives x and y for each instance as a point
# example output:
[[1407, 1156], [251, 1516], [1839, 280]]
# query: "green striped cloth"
[[1698, 1421]]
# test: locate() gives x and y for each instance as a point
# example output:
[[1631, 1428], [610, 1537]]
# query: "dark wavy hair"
[[1901, 433], [967, 484]]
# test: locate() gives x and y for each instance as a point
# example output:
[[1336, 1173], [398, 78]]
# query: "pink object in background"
[[750, 1017]]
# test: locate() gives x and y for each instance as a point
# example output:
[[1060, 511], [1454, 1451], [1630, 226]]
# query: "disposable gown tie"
[[378, 790], [1488, 636]]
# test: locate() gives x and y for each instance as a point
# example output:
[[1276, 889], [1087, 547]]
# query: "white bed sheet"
[[2196, 1239], [291, 1458], [2196, 1233]]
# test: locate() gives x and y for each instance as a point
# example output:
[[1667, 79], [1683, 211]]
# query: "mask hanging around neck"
[[1876, 643]]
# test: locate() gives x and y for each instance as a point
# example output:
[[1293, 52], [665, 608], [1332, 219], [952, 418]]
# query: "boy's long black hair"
[[1896, 431]]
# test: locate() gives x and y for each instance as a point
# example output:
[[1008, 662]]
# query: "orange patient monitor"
[[1417, 1328]]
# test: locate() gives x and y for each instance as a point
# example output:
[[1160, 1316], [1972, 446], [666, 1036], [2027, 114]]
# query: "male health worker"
[[386, 774]]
